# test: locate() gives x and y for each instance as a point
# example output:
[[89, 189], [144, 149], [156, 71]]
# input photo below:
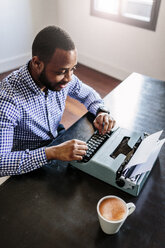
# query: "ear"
[[37, 64]]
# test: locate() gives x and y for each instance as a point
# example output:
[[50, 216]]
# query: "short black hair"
[[48, 39]]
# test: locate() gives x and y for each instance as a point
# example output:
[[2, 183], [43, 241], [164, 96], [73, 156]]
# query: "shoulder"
[[8, 90], [13, 85], [11, 82], [8, 103]]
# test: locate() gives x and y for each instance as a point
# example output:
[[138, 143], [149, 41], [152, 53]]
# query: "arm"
[[18, 162], [92, 100], [67, 151], [85, 94], [14, 162]]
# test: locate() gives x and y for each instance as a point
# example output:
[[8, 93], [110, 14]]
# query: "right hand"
[[67, 151]]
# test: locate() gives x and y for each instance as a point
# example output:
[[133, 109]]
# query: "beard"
[[49, 85]]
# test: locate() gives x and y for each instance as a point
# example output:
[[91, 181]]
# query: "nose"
[[68, 76]]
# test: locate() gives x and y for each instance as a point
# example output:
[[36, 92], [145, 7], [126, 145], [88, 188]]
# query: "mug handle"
[[131, 207]]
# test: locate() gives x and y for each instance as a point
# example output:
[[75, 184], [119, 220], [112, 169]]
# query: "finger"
[[80, 152], [114, 123], [80, 142], [79, 149], [106, 124], [96, 124], [100, 122], [82, 147], [111, 124], [110, 127], [77, 157]]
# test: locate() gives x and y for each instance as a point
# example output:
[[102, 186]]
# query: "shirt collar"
[[28, 80]]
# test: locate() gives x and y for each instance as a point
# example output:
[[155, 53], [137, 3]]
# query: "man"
[[32, 101]]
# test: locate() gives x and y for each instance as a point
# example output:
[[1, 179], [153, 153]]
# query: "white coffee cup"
[[112, 212]]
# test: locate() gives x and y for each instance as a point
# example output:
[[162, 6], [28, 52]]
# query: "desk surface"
[[56, 207]]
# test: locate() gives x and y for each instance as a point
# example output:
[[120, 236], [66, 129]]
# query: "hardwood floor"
[[102, 83]]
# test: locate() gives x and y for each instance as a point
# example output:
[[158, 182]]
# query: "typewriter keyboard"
[[94, 143]]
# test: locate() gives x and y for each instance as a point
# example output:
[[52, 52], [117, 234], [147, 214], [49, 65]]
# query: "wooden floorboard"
[[102, 83]]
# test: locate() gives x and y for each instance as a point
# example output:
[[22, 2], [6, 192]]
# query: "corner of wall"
[[102, 66], [14, 62]]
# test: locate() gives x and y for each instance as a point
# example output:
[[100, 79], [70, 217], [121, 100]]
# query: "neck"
[[35, 76]]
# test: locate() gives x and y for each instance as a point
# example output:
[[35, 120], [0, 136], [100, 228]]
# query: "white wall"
[[20, 20], [114, 48]]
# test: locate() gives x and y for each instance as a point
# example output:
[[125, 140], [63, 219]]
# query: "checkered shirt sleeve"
[[85, 94], [14, 162]]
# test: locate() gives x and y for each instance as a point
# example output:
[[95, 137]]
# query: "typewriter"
[[121, 158]]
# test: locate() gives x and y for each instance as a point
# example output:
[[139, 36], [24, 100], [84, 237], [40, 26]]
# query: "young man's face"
[[58, 72]]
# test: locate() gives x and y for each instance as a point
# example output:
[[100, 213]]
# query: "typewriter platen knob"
[[120, 182]]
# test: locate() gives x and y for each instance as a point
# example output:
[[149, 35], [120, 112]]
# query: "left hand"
[[104, 123]]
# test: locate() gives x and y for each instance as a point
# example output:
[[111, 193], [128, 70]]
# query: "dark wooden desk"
[[56, 207]]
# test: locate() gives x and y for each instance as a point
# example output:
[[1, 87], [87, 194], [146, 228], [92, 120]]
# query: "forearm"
[[51, 153], [67, 151]]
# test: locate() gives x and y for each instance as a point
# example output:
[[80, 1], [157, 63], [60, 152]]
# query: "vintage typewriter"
[[121, 158]]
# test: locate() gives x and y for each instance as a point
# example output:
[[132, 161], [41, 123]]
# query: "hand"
[[67, 151], [104, 122]]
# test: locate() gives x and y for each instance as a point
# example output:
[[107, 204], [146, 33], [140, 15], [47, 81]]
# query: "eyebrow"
[[63, 68]]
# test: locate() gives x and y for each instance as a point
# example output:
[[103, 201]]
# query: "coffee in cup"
[[113, 209], [112, 212]]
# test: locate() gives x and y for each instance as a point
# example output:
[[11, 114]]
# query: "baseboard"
[[102, 66], [13, 62], [94, 63]]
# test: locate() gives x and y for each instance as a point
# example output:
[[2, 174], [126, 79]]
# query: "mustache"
[[62, 83]]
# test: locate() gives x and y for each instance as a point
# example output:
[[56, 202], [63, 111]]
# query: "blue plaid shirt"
[[29, 119]]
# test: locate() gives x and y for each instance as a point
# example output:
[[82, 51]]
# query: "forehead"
[[63, 59]]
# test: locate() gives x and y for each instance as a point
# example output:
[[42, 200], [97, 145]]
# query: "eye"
[[74, 68], [63, 72], [60, 73]]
